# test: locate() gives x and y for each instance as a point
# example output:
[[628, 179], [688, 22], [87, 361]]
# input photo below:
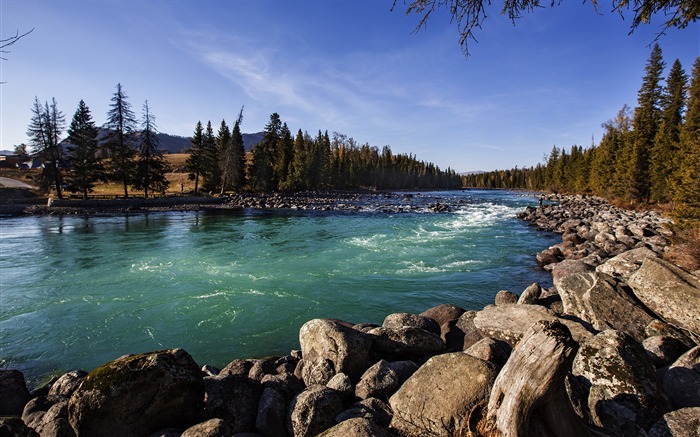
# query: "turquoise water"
[[78, 291]]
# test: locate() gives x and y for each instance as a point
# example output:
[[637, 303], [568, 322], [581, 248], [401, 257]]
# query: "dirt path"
[[13, 183]]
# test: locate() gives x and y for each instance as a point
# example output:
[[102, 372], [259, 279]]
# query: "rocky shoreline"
[[611, 350], [338, 201]]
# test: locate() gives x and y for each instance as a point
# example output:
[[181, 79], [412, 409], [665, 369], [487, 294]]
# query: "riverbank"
[[388, 202], [610, 350]]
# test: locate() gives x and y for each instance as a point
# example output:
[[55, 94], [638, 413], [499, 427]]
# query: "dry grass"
[[685, 251]]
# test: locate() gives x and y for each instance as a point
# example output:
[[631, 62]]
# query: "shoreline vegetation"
[[612, 349]]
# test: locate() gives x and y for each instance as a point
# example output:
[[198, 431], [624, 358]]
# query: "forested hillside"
[[649, 154]]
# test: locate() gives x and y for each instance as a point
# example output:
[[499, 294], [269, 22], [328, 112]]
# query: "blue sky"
[[350, 66]]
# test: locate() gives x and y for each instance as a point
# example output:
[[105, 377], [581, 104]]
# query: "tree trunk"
[[533, 379]]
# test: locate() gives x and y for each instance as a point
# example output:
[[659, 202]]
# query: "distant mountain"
[[177, 144]]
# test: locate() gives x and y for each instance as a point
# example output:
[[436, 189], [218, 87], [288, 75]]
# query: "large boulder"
[[437, 398], [461, 333], [137, 394], [680, 423], [357, 427], [509, 322], [313, 411], [443, 313], [67, 383], [682, 380], [491, 350], [569, 267], [602, 301], [210, 428], [623, 265], [48, 416], [272, 413], [624, 394], [13, 393], [330, 347], [401, 320], [383, 378], [406, 342], [233, 398], [670, 292], [373, 409]]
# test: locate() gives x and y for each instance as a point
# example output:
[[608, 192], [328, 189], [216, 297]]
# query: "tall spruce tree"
[[647, 117], [211, 169], [299, 173], [686, 186], [44, 131], [238, 177], [120, 140], [265, 156], [224, 150], [667, 138], [285, 155], [195, 163], [151, 166], [86, 166]]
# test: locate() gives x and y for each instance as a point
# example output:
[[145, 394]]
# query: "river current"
[[78, 291]]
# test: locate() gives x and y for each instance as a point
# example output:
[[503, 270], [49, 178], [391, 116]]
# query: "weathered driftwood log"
[[533, 378]]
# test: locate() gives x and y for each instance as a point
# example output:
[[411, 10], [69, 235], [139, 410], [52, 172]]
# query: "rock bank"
[[610, 350]]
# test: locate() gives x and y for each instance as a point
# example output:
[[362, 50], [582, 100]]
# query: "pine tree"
[[120, 140], [225, 152], [265, 155], [238, 179], [667, 137], [44, 132], [211, 169], [647, 117], [85, 164], [299, 174], [195, 162], [686, 187], [151, 166], [285, 155]]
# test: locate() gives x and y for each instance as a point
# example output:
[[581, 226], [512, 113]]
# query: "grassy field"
[[179, 183]]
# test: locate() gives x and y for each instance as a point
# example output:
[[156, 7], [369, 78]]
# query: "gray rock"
[[261, 368], [491, 350], [568, 267], [271, 417], [443, 313], [680, 423], [139, 394], [288, 384], [406, 342], [462, 332], [505, 297], [13, 393], [509, 323], [663, 350], [403, 320], [67, 383], [434, 401], [670, 292], [600, 300], [357, 427], [549, 256], [12, 426], [210, 428], [384, 378], [682, 380], [48, 416], [237, 367], [623, 265], [530, 295], [342, 385], [373, 409], [234, 398], [329, 347], [659, 327], [625, 395], [313, 411]]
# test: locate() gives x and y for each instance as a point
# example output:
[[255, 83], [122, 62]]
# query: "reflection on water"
[[80, 291]]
